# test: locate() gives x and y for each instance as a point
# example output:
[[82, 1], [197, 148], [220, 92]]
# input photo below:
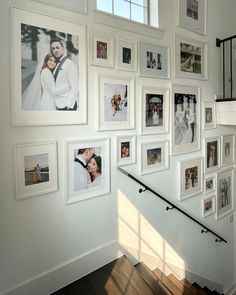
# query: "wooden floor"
[[121, 277]]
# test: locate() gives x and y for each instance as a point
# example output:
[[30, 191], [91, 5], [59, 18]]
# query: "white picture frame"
[[192, 15], [126, 55], [227, 149], [209, 115], [154, 61], [91, 179], [154, 156], [185, 119], [212, 153], [190, 178], [28, 81], [225, 193], [155, 110], [190, 58], [116, 102], [208, 206], [35, 169], [126, 149], [209, 183]]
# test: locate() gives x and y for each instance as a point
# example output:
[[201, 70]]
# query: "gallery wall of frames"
[[50, 87]]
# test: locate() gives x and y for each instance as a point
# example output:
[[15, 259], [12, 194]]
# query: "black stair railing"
[[171, 206]]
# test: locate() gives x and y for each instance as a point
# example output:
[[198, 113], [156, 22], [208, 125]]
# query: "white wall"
[[42, 233]]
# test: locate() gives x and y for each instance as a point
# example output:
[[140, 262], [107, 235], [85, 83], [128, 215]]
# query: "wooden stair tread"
[[187, 289]]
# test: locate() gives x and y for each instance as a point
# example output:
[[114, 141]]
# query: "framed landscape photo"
[[190, 178], [209, 184], [208, 206], [212, 153], [126, 55], [102, 50], [227, 149], [155, 110], [154, 156], [190, 58], [225, 193], [126, 150], [49, 74], [185, 119], [88, 169], [209, 115], [192, 15], [154, 61], [35, 169], [116, 103]]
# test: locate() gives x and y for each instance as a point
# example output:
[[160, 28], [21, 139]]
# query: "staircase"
[[120, 277]]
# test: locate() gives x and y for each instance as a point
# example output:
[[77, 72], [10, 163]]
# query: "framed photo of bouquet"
[[208, 206], [209, 115], [227, 150], [212, 153], [49, 74], [126, 150]]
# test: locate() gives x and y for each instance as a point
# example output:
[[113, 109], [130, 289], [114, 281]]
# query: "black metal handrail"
[[205, 229]]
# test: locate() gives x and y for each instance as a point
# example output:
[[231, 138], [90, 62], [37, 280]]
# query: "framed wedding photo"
[[88, 168], [209, 184], [212, 153], [126, 150], [126, 55], [154, 156], [209, 115], [155, 110], [208, 206], [190, 58], [227, 149], [102, 53], [49, 74], [190, 178], [154, 61], [225, 193], [192, 15], [185, 118], [116, 103], [35, 169]]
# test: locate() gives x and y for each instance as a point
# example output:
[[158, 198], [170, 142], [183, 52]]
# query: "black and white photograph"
[[227, 149], [192, 9], [208, 206], [209, 115], [191, 177], [126, 55], [154, 110], [209, 184], [212, 153]]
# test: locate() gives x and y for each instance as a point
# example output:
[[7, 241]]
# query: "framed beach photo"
[[88, 168], [185, 119], [208, 206], [190, 58], [154, 61], [225, 193], [154, 156], [49, 75], [126, 149], [116, 103], [227, 149], [209, 115], [209, 184], [211, 153], [102, 50], [192, 15], [155, 110], [35, 169], [126, 55], [190, 178]]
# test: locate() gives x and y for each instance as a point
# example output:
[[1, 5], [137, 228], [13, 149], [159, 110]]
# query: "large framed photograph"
[[192, 15], [212, 153], [35, 169], [225, 193], [185, 119], [116, 103], [190, 178], [126, 55], [154, 156], [154, 61], [208, 206], [227, 150], [126, 150], [88, 168], [209, 115], [190, 58], [155, 110], [49, 84], [102, 50], [209, 184]]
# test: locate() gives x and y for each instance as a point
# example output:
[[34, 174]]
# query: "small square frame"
[[126, 149], [209, 115], [126, 55], [208, 206], [227, 149], [209, 183], [211, 154]]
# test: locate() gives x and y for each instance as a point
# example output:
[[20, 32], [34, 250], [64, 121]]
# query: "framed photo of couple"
[[88, 168], [212, 153], [49, 74], [126, 150]]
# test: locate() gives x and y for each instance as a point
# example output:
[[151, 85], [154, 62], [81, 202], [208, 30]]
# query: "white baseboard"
[[64, 274], [231, 290]]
